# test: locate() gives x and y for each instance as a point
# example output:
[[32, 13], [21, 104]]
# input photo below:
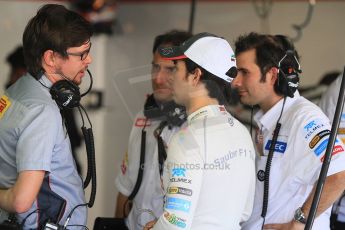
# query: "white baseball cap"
[[209, 51]]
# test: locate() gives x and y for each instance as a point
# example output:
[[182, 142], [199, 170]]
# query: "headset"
[[288, 79], [174, 114], [66, 94], [288, 69]]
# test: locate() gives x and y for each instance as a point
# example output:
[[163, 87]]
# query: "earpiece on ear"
[[288, 79]]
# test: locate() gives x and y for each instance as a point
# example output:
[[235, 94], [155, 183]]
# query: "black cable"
[[267, 172], [70, 214], [162, 155], [87, 116], [268, 165], [90, 86], [24, 220], [93, 168], [140, 171], [91, 159], [21, 226], [88, 155], [141, 164], [82, 117], [88, 149]]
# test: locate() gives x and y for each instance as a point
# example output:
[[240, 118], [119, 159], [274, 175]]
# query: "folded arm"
[[21, 196]]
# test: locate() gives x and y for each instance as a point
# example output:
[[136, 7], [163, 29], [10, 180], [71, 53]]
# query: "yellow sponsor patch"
[[314, 141], [180, 190], [173, 190], [4, 105], [341, 131]]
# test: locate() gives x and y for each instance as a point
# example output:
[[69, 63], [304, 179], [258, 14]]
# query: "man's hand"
[[150, 225], [293, 225], [120, 210]]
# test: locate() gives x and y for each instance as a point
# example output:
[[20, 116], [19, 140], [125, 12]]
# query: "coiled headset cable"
[[269, 164]]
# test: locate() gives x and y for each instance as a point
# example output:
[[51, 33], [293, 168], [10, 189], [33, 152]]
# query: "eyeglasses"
[[83, 55]]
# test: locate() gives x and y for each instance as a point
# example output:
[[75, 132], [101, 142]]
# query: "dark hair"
[[173, 38], [53, 28], [270, 50], [16, 59], [217, 88]]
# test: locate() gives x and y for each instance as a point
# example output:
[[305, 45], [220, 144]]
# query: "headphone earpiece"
[[65, 94], [288, 79]]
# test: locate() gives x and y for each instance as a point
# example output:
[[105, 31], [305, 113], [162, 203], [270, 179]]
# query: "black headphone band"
[[174, 114]]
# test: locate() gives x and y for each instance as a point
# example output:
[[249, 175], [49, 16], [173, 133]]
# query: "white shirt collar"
[[269, 119], [45, 81], [206, 111]]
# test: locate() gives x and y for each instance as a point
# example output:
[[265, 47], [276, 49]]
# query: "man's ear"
[[273, 75], [48, 58], [196, 76]]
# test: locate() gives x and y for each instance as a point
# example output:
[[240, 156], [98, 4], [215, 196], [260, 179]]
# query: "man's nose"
[[161, 77], [237, 81], [88, 59]]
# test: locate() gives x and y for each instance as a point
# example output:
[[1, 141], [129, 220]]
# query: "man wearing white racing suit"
[[328, 105], [148, 202], [293, 135], [209, 173]]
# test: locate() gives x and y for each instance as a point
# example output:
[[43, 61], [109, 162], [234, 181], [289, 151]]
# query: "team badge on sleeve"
[[124, 164], [4, 105], [180, 190], [318, 137], [337, 149], [175, 220], [178, 172], [320, 150], [310, 128], [178, 204], [341, 134], [142, 121]]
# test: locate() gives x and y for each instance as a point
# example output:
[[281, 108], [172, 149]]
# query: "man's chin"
[[246, 101], [77, 82], [162, 97]]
